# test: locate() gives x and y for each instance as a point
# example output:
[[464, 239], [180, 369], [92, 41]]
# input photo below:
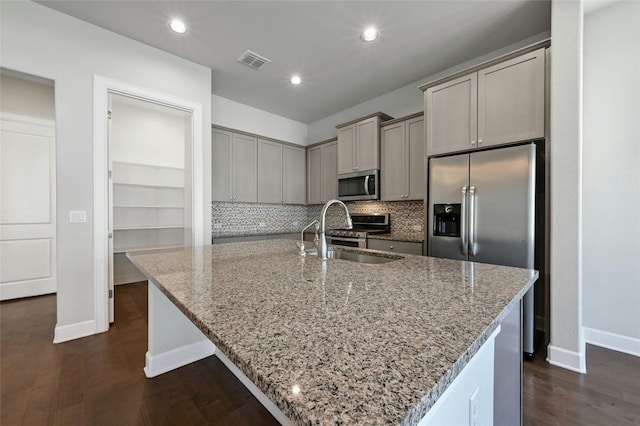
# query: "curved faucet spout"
[[322, 246]]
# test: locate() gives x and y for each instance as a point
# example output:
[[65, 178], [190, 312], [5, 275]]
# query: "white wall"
[[405, 100], [26, 97], [147, 135], [611, 161], [566, 348], [40, 41], [232, 114]]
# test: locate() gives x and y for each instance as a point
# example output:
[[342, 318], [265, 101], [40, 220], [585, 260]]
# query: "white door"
[[27, 207]]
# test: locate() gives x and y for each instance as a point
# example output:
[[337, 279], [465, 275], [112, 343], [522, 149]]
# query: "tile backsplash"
[[236, 219]]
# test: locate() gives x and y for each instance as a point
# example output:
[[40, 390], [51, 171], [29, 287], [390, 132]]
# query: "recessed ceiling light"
[[296, 79], [369, 34], [178, 26]]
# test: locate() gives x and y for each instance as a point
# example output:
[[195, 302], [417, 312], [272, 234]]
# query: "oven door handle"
[[366, 184]]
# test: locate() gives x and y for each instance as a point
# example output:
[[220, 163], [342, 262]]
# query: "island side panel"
[[507, 402], [174, 341]]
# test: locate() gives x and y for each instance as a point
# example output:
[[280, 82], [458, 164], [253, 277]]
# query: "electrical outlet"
[[217, 226], [473, 408]]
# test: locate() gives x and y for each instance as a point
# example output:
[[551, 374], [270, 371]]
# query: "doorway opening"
[[105, 217], [150, 198]]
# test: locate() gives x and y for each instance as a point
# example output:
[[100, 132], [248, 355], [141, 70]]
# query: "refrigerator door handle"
[[463, 222], [472, 221]]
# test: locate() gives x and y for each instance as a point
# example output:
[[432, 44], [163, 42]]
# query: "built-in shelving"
[[148, 206]]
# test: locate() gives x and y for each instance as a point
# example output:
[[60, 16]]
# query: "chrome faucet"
[[322, 244], [304, 252]]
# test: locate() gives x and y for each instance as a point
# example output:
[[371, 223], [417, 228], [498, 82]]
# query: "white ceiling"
[[320, 41]]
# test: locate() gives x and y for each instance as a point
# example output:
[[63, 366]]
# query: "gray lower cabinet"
[[402, 160], [234, 160], [500, 104], [395, 246], [288, 236], [322, 173]]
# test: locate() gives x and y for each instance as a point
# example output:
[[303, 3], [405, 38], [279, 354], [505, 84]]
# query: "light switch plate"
[[77, 216]]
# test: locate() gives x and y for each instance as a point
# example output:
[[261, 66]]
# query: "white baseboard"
[[161, 363], [261, 397], [64, 333], [570, 360], [616, 342], [20, 289]]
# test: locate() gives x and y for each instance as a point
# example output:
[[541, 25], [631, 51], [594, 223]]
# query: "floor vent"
[[253, 60]]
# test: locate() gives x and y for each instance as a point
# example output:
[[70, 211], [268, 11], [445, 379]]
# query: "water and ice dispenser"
[[446, 220]]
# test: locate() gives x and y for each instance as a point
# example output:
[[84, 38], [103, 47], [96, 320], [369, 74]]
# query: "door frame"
[[102, 86]]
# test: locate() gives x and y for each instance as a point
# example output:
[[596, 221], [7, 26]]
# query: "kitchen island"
[[326, 342]]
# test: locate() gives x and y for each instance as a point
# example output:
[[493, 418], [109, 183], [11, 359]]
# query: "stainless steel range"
[[363, 225]]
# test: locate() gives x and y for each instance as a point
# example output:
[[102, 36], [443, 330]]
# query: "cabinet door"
[[452, 113], [346, 148], [393, 173], [314, 174], [511, 100], [221, 165], [367, 145], [270, 172], [395, 246], [293, 175], [244, 168], [329, 172], [414, 134]]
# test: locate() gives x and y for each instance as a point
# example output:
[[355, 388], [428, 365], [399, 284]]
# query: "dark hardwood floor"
[[98, 380], [609, 394]]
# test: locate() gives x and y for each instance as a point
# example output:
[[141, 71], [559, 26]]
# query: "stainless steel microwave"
[[362, 185]]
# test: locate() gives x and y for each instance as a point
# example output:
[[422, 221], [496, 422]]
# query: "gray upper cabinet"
[[451, 111], [281, 169], [293, 175], [402, 158], [359, 145], [233, 167], [346, 149], [322, 175], [500, 104], [511, 100], [270, 172]]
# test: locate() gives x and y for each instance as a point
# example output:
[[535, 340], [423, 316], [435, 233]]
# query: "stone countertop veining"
[[411, 237], [362, 343]]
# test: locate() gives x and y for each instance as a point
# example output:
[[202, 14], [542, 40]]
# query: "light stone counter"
[[362, 343]]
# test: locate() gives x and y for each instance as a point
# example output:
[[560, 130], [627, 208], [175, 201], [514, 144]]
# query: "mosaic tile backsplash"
[[239, 219]]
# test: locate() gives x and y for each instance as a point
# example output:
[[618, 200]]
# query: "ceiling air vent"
[[253, 60]]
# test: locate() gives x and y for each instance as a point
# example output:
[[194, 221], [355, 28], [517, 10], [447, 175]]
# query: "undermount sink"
[[361, 257]]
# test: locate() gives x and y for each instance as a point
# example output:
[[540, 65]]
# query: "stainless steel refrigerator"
[[482, 208]]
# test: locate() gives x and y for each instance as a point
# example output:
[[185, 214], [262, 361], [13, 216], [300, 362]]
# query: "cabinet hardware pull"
[[473, 142]]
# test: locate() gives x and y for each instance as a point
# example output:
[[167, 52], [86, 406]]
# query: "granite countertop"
[[362, 343], [411, 237]]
